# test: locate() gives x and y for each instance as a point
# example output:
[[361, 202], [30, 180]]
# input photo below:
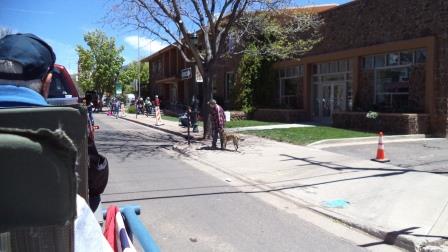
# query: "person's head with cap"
[[212, 103], [26, 60]]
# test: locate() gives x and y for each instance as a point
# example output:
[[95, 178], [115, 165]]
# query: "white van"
[[129, 98]]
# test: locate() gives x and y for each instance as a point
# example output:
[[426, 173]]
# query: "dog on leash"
[[231, 137]]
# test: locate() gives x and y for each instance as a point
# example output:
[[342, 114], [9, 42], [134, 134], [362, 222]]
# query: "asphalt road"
[[188, 210], [425, 155]]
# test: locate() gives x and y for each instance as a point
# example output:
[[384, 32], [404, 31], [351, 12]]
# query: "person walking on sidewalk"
[[122, 109], [90, 109], [148, 106], [218, 119], [117, 108], [157, 101]]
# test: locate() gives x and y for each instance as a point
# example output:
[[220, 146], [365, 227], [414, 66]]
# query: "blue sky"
[[62, 24]]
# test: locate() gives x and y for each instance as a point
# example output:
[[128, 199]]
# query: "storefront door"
[[332, 98]]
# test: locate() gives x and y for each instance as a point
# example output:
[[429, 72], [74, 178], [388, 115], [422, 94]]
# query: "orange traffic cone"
[[380, 156]]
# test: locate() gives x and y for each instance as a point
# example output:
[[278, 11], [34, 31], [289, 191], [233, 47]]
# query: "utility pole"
[[138, 58]]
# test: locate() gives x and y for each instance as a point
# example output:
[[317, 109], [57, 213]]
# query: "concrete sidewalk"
[[403, 207], [166, 126], [267, 127]]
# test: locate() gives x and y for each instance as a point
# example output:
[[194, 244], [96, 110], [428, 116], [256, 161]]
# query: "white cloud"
[[146, 45]]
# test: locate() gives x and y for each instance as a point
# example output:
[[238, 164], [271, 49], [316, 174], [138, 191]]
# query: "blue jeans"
[[215, 133]]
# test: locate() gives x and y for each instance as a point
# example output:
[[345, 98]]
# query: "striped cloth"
[[124, 243], [109, 226], [115, 231]]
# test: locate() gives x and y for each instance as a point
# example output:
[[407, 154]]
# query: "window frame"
[[287, 73], [375, 86]]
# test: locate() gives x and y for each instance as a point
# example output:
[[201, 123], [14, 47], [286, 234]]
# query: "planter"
[[395, 123]]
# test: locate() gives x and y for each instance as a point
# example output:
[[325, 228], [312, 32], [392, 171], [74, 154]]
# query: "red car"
[[63, 92], [62, 89]]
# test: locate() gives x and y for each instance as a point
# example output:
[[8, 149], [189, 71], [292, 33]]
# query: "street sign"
[[198, 75], [118, 88], [185, 73]]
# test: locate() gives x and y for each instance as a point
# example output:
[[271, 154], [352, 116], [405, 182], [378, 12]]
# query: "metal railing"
[[136, 228]]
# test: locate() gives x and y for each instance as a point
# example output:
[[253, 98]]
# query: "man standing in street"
[[218, 119]]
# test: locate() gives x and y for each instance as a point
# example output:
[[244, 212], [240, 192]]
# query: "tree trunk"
[[207, 94], [204, 108]]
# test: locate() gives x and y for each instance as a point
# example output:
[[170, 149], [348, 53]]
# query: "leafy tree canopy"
[[129, 74], [99, 63]]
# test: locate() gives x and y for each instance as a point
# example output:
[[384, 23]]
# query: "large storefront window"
[[391, 73], [392, 87], [291, 87], [332, 88]]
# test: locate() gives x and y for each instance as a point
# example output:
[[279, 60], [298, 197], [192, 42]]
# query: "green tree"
[[129, 74], [99, 63], [273, 37], [203, 31], [248, 71]]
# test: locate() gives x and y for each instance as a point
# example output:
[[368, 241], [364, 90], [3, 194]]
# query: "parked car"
[[130, 99], [62, 88]]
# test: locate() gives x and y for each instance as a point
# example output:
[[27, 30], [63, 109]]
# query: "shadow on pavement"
[[333, 166], [214, 149], [391, 237], [123, 145]]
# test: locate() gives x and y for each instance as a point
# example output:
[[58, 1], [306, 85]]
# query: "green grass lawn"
[[247, 123], [231, 124], [170, 118], [303, 136]]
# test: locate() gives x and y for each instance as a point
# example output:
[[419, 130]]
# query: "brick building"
[[172, 79], [380, 55]]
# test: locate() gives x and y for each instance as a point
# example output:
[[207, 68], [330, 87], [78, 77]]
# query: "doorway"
[[331, 98]]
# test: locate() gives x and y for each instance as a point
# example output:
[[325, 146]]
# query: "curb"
[[404, 241], [367, 140]]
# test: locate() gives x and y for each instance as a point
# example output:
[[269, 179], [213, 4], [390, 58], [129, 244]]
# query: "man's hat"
[[34, 57], [212, 102]]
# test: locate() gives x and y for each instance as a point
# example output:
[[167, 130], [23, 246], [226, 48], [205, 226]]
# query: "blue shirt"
[[16, 96]]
